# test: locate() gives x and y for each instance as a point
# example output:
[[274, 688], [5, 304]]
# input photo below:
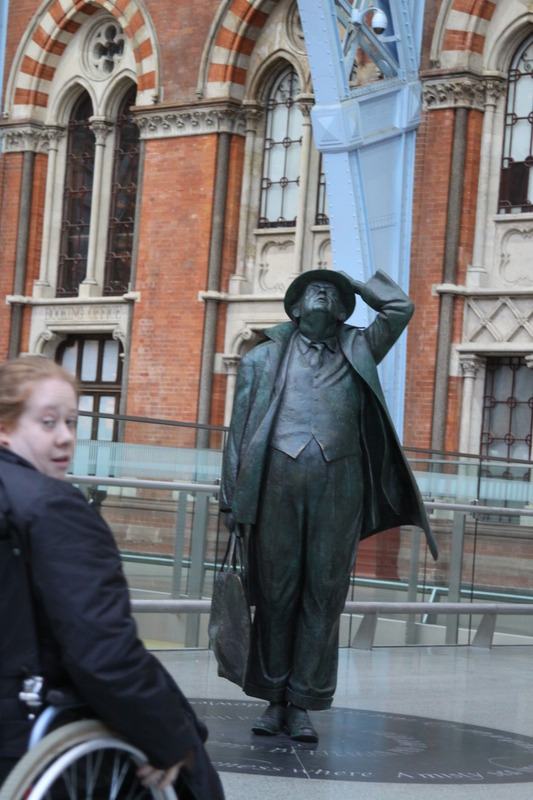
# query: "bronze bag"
[[230, 619]]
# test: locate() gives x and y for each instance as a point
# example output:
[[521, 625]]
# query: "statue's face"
[[321, 296]]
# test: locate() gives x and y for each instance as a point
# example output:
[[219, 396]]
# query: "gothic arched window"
[[282, 153], [123, 199], [516, 184], [77, 199]]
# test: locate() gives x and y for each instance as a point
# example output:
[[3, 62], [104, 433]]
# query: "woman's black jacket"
[[87, 638]]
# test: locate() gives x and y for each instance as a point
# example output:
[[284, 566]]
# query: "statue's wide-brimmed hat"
[[299, 284]]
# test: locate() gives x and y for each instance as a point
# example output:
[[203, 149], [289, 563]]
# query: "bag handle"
[[233, 558]]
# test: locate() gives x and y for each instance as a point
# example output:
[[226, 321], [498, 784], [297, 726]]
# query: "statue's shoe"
[[299, 725], [272, 720]]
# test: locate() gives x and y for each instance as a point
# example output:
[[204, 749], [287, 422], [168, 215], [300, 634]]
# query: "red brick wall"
[[175, 228], [231, 231], [36, 222], [181, 35], [433, 159], [172, 268], [20, 13], [466, 245], [432, 177], [10, 174]]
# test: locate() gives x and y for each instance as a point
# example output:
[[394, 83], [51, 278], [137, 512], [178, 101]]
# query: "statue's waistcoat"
[[311, 407]]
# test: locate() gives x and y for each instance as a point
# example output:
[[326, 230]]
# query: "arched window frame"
[[108, 95], [296, 237], [516, 179], [282, 152], [121, 224], [77, 199]]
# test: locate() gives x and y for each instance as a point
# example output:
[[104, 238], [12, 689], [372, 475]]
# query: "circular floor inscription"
[[365, 745]]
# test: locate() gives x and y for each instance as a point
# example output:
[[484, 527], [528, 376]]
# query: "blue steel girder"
[[366, 134]]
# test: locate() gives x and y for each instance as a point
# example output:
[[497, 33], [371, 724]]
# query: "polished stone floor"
[[430, 723]]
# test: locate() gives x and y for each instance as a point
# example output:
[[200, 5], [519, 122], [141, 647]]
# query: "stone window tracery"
[[105, 50]]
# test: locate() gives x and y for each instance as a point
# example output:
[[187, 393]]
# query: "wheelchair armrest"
[[63, 698]]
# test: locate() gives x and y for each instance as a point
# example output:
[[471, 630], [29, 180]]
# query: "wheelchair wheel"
[[80, 761]]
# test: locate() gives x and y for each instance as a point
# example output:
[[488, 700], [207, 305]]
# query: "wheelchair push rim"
[[85, 748]]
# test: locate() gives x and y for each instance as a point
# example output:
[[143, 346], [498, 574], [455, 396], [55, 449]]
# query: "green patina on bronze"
[[312, 465]]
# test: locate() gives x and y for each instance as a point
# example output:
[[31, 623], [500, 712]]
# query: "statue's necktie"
[[315, 353]]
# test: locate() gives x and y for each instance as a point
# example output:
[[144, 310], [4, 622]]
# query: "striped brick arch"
[[459, 40], [232, 42], [50, 35], [460, 37]]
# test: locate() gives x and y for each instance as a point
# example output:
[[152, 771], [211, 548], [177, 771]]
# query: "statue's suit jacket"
[[391, 496]]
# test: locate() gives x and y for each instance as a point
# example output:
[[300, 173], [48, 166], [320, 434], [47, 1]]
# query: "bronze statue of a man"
[[313, 465]]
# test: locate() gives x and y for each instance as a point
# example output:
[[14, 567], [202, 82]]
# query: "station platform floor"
[[406, 722]]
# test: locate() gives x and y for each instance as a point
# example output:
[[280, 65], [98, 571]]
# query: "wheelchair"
[[76, 760]]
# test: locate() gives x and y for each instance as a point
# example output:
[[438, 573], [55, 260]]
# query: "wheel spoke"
[[80, 761]]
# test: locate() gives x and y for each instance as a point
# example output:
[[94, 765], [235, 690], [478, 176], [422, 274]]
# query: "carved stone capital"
[[253, 116], [165, 123], [494, 89], [470, 364], [101, 127], [29, 137], [231, 364], [305, 103], [466, 91], [53, 135]]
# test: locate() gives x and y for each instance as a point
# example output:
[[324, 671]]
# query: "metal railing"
[[370, 612], [169, 533]]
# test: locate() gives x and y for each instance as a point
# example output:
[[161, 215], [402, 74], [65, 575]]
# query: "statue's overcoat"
[[391, 495]]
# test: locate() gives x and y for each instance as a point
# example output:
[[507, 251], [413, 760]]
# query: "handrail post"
[[485, 632], [196, 578], [412, 589], [455, 574], [364, 638], [179, 542]]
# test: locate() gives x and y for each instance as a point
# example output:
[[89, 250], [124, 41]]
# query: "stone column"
[[101, 129], [462, 94], [253, 115], [476, 272], [231, 363], [44, 286], [470, 365], [214, 271], [305, 103]]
